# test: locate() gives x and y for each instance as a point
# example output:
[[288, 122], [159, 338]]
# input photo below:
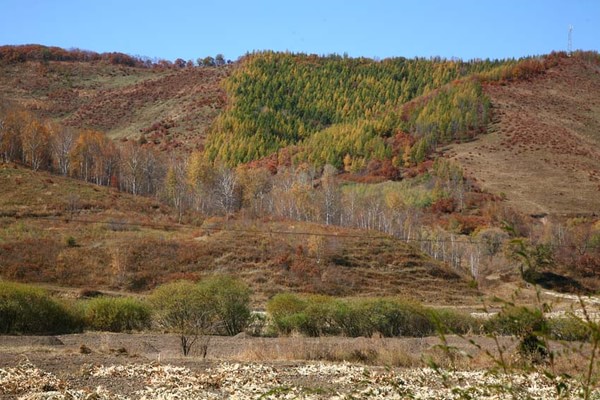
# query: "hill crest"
[[171, 107]]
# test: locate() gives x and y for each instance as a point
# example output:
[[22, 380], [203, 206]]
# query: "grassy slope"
[[542, 151], [25, 192], [130, 257], [121, 101]]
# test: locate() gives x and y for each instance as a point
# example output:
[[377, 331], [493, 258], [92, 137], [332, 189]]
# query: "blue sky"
[[372, 28]]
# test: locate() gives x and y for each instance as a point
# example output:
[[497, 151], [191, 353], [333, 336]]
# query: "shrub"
[[116, 314], [317, 319], [217, 305], [529, 325], [393, 317], [452, 321], [322, 315], [71, 242], [517, 321], [446, 206], [230, 298], [180, 307], [281, 307], [312, 316], [353, 318], [533, 348], [25, 309], [569, 328]]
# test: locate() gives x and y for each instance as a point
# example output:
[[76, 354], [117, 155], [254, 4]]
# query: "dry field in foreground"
[[259, 381], [148, 366]]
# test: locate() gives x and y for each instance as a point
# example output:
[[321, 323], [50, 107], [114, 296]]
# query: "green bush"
[[353, 318], [393, 317], [321, 315], [387, 316], [25, 309], [317, 319], [523, 321], [452, 321], [533, 348], [71, 242], [182, 308], [217, 305], [230, 299], [311, 316], [116, 314], [282, 308], [569, 328], [517, 321], [528, 325]]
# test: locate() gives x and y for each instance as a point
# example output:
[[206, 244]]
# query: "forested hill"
[[334, 106], [357, 114]]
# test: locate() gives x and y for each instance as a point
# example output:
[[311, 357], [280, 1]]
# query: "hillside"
[[386, 129], [172, 107], [542, 151], [319, 109], [65, 232]]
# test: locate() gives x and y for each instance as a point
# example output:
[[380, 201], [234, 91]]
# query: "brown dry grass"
[[26, 192], [173, 107], [48, 237], [542, 149], [37, 250]]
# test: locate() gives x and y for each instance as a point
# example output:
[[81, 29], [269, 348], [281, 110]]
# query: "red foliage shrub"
[[464, 224], [588, 265], [445, 206], [384, 169]]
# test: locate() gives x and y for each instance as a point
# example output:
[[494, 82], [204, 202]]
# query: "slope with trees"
[[436, 205], [351, 106]]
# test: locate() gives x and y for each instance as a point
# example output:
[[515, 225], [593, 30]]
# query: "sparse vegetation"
[[83, 89]]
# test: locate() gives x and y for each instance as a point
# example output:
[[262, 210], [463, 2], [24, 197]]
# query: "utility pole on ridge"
[[570, 41]]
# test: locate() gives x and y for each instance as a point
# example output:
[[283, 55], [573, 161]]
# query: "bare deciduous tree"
[[61, 144], [35, 139], [227, 190]]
